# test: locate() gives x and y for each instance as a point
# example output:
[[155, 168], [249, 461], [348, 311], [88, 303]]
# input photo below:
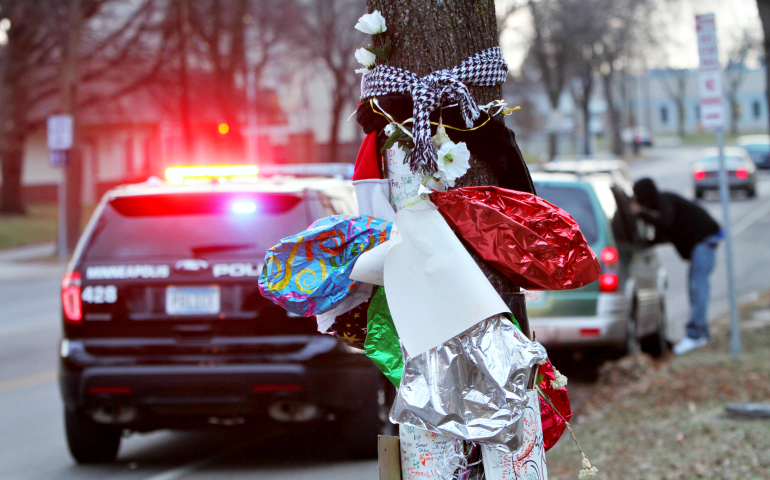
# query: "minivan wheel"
[[90, 442], [657, 344], [633, 346]]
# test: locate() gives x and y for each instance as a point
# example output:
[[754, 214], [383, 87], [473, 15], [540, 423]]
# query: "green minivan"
[[624, 311]]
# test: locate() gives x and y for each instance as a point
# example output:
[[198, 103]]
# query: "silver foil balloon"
[[471, 387]]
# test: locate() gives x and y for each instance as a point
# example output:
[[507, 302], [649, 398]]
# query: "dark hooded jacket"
[[676, 219]]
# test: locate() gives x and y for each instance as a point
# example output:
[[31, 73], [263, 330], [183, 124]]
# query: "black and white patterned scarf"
[[485, 68]]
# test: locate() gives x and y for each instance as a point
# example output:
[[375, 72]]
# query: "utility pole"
[[183, 18], [70, 193]]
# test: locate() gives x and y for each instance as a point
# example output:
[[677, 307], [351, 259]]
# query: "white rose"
[[365, 58], [453, 162], [560, 380], [371, 23]]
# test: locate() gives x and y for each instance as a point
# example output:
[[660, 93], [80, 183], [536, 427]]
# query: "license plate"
[[192, 300]]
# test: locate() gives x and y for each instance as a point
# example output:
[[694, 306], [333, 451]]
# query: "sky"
[[678, 19]]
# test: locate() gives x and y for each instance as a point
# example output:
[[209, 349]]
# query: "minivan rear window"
[[576, 202], [236, 225]]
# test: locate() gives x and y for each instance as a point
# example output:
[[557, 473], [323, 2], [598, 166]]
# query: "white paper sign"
[[403, 183], [425, 454], [529, 461], [434, 288], [59, 132]]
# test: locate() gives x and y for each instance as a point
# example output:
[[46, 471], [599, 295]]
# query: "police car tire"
[[361, 429], [90, 442]]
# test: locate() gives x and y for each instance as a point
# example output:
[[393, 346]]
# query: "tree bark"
[[429, 35]]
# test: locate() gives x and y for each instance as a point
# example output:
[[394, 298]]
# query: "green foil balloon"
[[382, 345]]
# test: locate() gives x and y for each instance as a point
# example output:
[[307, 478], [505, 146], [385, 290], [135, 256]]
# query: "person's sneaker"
[[688, 344]]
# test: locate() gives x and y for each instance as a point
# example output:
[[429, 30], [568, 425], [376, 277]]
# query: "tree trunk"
[[11, 202], [615, 116], [553, 145], [429, 35], [680, 117], [13, 127], [334, 131], [764, 16]]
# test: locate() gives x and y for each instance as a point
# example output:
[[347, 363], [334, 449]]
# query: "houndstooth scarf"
[[431, 91]]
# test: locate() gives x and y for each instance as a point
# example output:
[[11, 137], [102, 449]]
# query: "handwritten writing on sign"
[[424, 454], [403, 183], [528, 463]]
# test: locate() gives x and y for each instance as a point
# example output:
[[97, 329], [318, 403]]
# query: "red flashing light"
[[276, 388], [741, 173], [70, 297], [608, 282], [110, 390], [609, 255], [699, 174], [590, 332]]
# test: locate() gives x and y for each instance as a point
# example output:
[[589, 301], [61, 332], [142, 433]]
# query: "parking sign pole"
[[724, 195], [712, 113]]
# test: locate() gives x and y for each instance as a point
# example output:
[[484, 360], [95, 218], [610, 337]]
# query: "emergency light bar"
[[212, 173]]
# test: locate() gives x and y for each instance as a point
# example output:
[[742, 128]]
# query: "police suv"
[[164, 325]]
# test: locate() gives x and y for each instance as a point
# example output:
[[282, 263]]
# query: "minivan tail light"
[[608, 282], [70, 297], [699, 174], [608, 255], [741, 173]]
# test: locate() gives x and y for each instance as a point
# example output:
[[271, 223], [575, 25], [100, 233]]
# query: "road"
[[32, 442]]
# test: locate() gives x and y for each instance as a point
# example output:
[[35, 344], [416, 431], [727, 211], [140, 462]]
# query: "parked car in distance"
[[618, 169], [758, 147], [625, 310], [637, 135], [741, 172], [164, 325]]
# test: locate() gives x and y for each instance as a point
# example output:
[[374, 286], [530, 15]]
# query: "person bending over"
[[695, 235]]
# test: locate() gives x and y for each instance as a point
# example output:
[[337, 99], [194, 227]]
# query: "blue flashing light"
[[244, 207]]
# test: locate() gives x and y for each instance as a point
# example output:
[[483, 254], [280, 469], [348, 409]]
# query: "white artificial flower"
[[588, 471], [365, 58], [371, 23], [560, 380], [390, 129], [453, 162]]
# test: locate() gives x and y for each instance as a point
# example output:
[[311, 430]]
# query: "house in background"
[[134, 137]]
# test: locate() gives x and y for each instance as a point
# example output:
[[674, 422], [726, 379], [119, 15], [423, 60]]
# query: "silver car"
[[741, 172]]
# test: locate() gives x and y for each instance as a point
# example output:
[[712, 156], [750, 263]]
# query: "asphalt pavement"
[[32, 444]]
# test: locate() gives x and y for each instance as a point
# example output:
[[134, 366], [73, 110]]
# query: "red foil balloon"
[[553, 424], [532, 242]]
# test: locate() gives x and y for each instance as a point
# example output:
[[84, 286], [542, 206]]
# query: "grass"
[[670, 422], [39, 225]]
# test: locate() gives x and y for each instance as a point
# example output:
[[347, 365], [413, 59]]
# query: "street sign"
[[712, 103], [58, 158], [712, 117], [60, 132]]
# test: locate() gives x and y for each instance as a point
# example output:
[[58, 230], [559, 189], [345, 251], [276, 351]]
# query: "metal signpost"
[[712, 117], [59, 146]]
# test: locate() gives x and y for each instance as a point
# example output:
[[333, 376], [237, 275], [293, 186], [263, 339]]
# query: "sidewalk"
[[26, 263]]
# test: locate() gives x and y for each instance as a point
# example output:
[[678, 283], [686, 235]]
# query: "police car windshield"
[[242, 225]]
